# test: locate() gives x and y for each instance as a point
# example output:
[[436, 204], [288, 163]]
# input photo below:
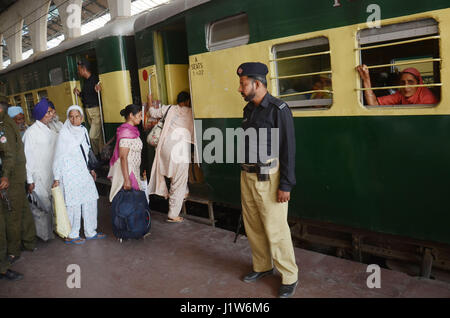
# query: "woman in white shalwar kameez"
[[172, 155], [77, 182]]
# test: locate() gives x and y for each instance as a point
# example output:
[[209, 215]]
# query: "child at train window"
[[405, 95]]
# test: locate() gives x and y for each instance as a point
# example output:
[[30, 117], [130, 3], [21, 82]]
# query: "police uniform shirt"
[[11, 150], [272, 113], [88, 95]]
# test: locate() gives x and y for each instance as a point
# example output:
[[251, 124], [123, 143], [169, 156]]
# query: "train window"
[[303, 73], [402, 64], [18, 100], [29, 100], [227, 33], [42, 94], [56, 76]]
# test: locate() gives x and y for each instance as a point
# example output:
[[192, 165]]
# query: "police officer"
[[16, 221], [267, 178]]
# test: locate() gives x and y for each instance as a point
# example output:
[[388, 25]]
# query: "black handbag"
[[92, 162]]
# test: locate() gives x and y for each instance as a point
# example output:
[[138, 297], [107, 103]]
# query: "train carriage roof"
[[117, 27], [164, 12]]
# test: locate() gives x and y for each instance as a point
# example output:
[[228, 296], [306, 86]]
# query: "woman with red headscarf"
[[405, 95]]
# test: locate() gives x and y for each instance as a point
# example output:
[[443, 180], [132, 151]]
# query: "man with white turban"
[[16, 113]]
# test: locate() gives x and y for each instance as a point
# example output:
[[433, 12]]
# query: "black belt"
[[256, 168], [250, 168]]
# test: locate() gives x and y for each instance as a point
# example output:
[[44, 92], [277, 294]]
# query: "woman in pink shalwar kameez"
[[126, 160]]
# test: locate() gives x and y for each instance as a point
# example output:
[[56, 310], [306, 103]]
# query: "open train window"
[[18, 100], [42, 94], [303, 73], [226, 33], [29, 100], [403, 62]]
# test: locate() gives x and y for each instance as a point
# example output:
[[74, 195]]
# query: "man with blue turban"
[[39, 141], [16, 113]]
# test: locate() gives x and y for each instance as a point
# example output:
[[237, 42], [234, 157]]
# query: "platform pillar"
[[37, 26], [119, 8], [13, 38]]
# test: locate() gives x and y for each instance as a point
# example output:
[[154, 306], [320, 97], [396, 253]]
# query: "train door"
[[90, 56], [172, 67]]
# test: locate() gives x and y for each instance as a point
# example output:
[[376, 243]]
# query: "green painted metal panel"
[[270, 19], [379, 173], [112, 54], [144, 48], [34, 76], [175, 47], [110, 130]]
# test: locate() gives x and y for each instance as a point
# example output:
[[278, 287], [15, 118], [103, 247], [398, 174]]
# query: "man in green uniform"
[[267, 179], [16, 221]]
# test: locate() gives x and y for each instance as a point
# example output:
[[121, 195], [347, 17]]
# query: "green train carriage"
[[53, 74], [369, 179]]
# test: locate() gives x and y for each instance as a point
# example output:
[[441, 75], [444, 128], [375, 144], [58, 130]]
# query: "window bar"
[[402, 86], [405, 63], [300, 75], [300, 56], [399, 43], [306, 92]]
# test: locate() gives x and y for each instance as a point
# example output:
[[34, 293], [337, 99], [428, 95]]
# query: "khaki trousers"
[[20, 227], [95, 131], [266, 225]]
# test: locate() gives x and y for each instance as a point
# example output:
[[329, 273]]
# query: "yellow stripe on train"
[[215, 83]]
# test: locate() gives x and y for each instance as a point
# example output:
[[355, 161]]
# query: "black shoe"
[[12, 259], [11, 275], [287, 291], [254, 276]]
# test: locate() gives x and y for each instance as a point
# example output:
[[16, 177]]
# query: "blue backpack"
[[130, 214]]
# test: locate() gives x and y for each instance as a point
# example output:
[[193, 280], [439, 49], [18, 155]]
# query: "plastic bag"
[[63, 227], [43, 219]]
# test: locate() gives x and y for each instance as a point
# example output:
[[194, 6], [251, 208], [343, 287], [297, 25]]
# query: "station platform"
[[192, 260]]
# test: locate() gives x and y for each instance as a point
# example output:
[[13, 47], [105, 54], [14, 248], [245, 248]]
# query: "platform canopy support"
[[119, 8]]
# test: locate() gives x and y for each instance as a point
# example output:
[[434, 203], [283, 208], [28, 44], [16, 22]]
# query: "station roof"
[[5, 4], [95, 13]]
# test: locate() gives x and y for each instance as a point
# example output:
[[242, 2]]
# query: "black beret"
[[252, 69]]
